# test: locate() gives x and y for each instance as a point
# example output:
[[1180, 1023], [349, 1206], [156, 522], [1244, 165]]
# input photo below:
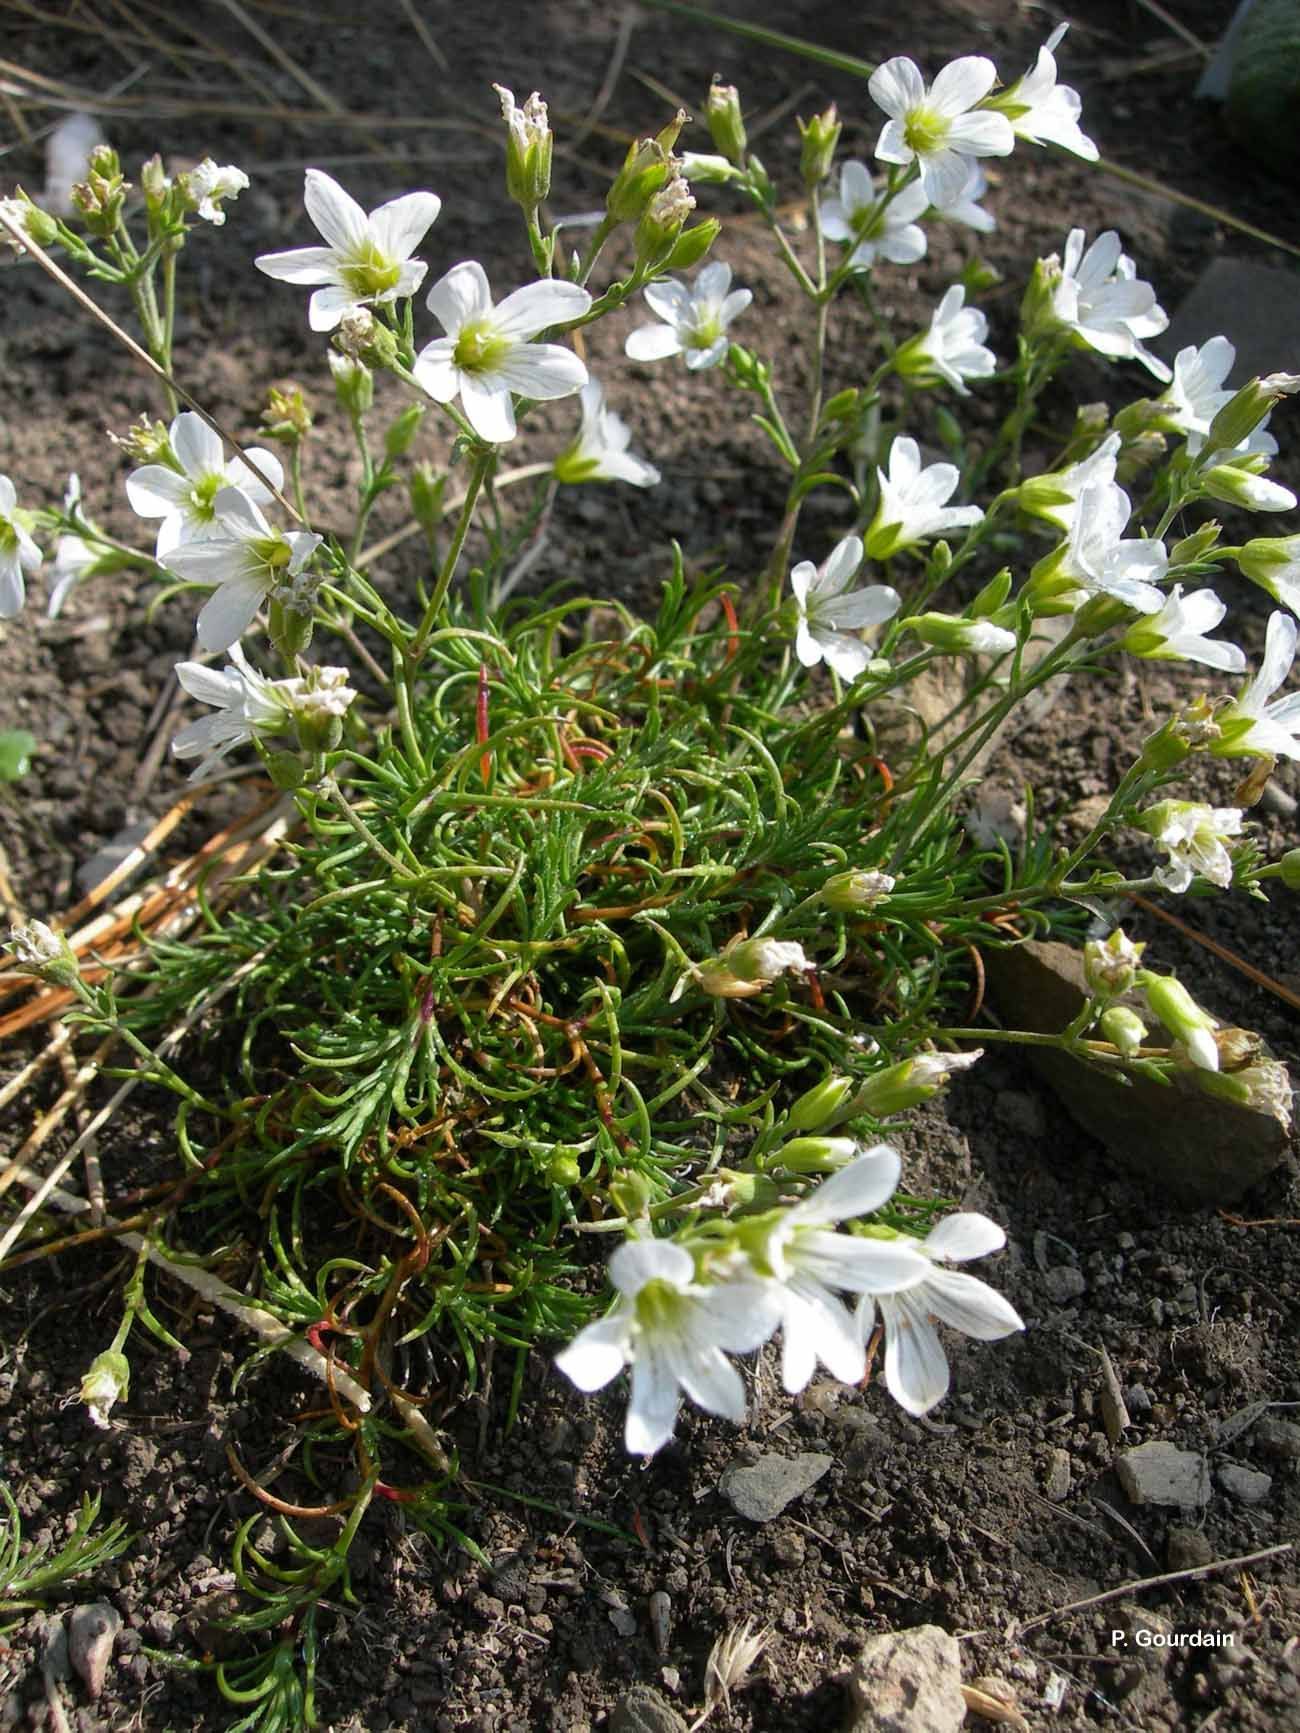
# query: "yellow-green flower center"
[[8, 536], [479, 348], [202, 495], [925, 130], [273, 552], [705, 332], [659, 1305], [371, 272]]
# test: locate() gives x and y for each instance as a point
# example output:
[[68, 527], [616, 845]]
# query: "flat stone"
[[761, 1490], [643, 1710], [1064, 1283], [1196, 1148], [1058, 1481], [1160, 1473], [1246, 1485], [1279, 1438], [1252, 305], [907, 1682]]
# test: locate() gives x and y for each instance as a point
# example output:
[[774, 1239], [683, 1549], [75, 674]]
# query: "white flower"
[[36, 945], [809, 1264], [1273, 562], [600, 452], [953, 347], [829, 611], [1099, 558], [937, 128], [1178, 633], [961, 636], [913, 502], [209, 185], [916, 1367], [249, 562], [747, 966], [674, 1332], [1055, 495], [876, 227], [19, 554], [965, 207], [73, 557], [1250, 724], [1192, 836], [487, 352], [105, 1384], [695, 318], [248, 704], [1098, 296], [857, 889], [1044, 111], [1198, 392], [368, 260], [184, 497]]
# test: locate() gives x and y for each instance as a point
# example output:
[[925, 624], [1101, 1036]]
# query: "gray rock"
[[907, 1682], [92, 1631], [1253, 305], [1246, 1485], [1058, 1476], [1279, 1438], [1064, 1283], [1161, 1473], [1187, 1549], [761, 1490], [643, 1710], [1195, 1147]]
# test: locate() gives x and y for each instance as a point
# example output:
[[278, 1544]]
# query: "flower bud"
[[402, 432], [1238, 1048], [708, 171], [38, 950], [849, 893], [286, 417], [1110, 964], [820, 137], [426, 489], [1192, 730], [1290, 869], [1240, 482], [528, 149], [726, 122], [1242, 414], [692, 244], [911, 1082], [354, 384], [661, 221], [1124, 1029], [747, 1191], [562, 1168], [646, 169], [815, 1154], [1038, 320], [993, 595], [100, 197], [819, 1108], [960, 636], [629, 1192], [155, 184], [1192, 549], [320, 702], [31, 219], [1185, 1020], [105, 1384], [289, 625], [744, 969]]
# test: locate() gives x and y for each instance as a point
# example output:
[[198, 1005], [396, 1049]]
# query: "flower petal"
[[710, 1380], [153, 490], [637, 1262], [916, 1367], [542, 370], [856, 1190], [963, 83], [652, 343], [896, 86], [462, 295], [304, 265], [967, 1304], [327, 307], [652, 1411], [598, 1353], [488, 408], [336, 214], [400, 225], [537, 305], [965, 1235], [197, 448]]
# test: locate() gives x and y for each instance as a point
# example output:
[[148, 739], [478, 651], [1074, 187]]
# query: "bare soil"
[[1006, 1505]]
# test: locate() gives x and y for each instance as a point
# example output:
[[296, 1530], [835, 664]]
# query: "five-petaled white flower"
[[1192, 836], [1178, 633], [1055, 495], [1197, 392], [1102, 561], [184, 496], [1099, 297], [368, 259], [1044, 111], [694, 318], [829, 611], [873, 224], [19, 554], [488, 351], [810, 1263], [247, 704], [600, 452], [953, 347], [248, 563], [916, 1367], [940, 129], [1250, 725], [675, 1333], [914, 502], [209, 186]]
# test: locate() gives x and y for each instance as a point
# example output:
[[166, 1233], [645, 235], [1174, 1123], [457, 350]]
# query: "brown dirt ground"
[[945, 1522]]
